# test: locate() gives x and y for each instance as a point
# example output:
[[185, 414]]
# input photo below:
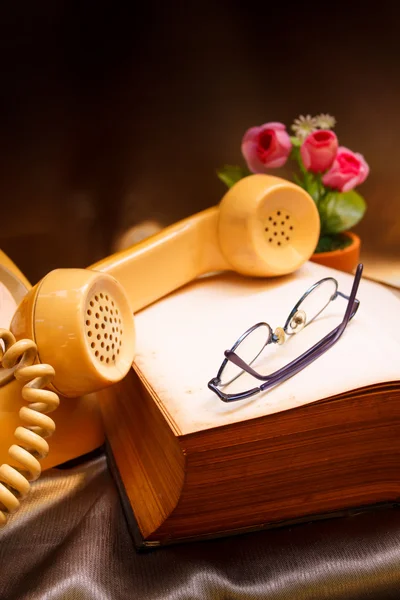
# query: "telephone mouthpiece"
[[83, 325]]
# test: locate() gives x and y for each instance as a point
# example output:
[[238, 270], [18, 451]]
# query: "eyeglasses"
[[253, 341]]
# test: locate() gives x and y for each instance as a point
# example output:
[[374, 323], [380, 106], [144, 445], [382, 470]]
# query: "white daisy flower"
[[325, 121], [303, 126]]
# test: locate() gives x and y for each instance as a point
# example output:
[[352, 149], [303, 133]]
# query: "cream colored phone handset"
[[264, 226], [78, 321]]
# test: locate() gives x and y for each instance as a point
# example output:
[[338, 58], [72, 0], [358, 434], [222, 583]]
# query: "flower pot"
[[345, 259]]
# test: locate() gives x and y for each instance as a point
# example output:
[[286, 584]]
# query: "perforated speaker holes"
[[103, 326], [279, 228]]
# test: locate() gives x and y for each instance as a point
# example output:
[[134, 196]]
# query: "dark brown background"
[[110, 115]]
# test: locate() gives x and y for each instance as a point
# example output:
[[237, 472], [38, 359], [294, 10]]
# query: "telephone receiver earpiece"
[[82, 324], [264, 226]]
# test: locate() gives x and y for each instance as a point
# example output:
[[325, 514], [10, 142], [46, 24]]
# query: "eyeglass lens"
[[248, 349], [314, 302]]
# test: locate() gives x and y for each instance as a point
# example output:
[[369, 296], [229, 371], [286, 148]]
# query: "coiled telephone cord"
[[31, 444]]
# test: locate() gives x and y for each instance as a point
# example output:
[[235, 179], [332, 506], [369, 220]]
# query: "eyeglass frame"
[[299, 363]]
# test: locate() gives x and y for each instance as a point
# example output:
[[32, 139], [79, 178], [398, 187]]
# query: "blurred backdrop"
[[111, 115]]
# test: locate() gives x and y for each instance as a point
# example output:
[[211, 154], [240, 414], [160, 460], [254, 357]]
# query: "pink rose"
[[318, 150], [267, 146], [348, 170]]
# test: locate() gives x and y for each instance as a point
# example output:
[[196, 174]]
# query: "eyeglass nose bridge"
[[279, 336]]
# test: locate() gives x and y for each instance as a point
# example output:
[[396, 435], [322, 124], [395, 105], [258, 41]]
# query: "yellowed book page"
[[181, 340]]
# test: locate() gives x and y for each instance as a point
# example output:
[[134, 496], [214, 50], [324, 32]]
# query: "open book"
[[326, 440]]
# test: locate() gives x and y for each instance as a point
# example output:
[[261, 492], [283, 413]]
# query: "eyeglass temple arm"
[[328, 340], [213, 385]]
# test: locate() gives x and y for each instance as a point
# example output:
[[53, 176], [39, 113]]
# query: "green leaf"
[[341, 211], [231, 174], [295, 141], [327, 243]]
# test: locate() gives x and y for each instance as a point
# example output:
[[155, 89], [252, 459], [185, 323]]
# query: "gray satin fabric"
[[71, 542]]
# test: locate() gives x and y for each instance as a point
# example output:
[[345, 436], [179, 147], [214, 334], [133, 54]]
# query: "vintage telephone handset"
[[73, 333], [264, 226]]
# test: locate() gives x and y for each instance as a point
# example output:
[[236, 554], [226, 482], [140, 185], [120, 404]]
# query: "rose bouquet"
[[328, 172]]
